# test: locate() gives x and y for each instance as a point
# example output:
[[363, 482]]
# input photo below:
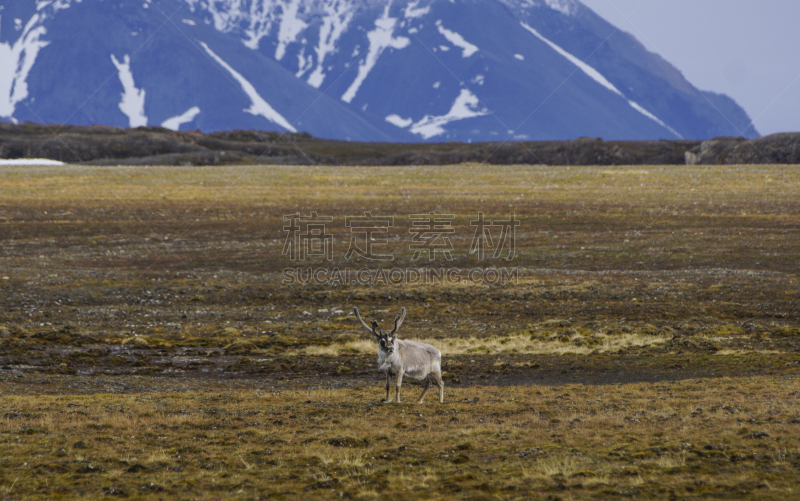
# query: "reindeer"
[[418, 361]]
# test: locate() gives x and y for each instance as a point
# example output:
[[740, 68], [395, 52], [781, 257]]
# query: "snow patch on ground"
[[16, 61], [599, 78], [132, 102], [30, 161], [338, 15], [175, 122], [454, 38], [380, 39], [465, 106], [258, 105], [399, 121]]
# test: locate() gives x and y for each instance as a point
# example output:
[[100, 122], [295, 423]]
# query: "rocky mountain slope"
[[408, 71]]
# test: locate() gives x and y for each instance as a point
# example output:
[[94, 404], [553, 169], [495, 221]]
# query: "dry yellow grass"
[[687, 439], [517, 344], [181, 264], [275, 186]]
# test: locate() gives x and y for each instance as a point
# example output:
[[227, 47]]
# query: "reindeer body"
[[400, 358], [412, 359]]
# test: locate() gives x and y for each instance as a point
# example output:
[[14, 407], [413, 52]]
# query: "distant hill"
[[360, 70], [102, 145]]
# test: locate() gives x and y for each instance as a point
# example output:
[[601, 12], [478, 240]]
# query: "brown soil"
[[140, 275]]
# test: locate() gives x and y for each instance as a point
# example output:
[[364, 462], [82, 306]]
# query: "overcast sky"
[[747, 49]]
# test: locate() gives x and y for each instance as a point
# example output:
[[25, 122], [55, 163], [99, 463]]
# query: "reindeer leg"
[[425, 389], [388, 380], [399, 383], [440, 384]]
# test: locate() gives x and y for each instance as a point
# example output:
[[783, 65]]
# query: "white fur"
[[400, 358]]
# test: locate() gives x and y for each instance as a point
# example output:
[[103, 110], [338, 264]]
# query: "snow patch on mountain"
[[56, 4], [413, 12], [256, 19], [636, 106], [227, 16], [380, 39], [132, 102], [16, 61], [465, 106], [291, 25], [304, 63], [341, 46], [454, 38], [337, 17], [260, 18], [599, 78], [187, 116], [258, 105], [566, 7], [591, 72], [399, 121]]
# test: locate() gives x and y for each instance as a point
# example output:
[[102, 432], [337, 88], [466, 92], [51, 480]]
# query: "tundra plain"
[[645, 345]]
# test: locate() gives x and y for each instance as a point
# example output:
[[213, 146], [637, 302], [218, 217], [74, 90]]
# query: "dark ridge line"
[[105, 145]]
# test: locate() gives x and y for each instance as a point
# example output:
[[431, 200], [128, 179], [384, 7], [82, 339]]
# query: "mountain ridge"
[[362, 70]]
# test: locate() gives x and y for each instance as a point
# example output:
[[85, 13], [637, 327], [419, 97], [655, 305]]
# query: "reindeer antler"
[[398, 321], [373, 329]]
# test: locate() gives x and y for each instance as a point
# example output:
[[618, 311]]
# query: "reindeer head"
[[386, 341]]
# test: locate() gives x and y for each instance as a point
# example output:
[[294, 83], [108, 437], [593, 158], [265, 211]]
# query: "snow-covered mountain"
[[419, 70]]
